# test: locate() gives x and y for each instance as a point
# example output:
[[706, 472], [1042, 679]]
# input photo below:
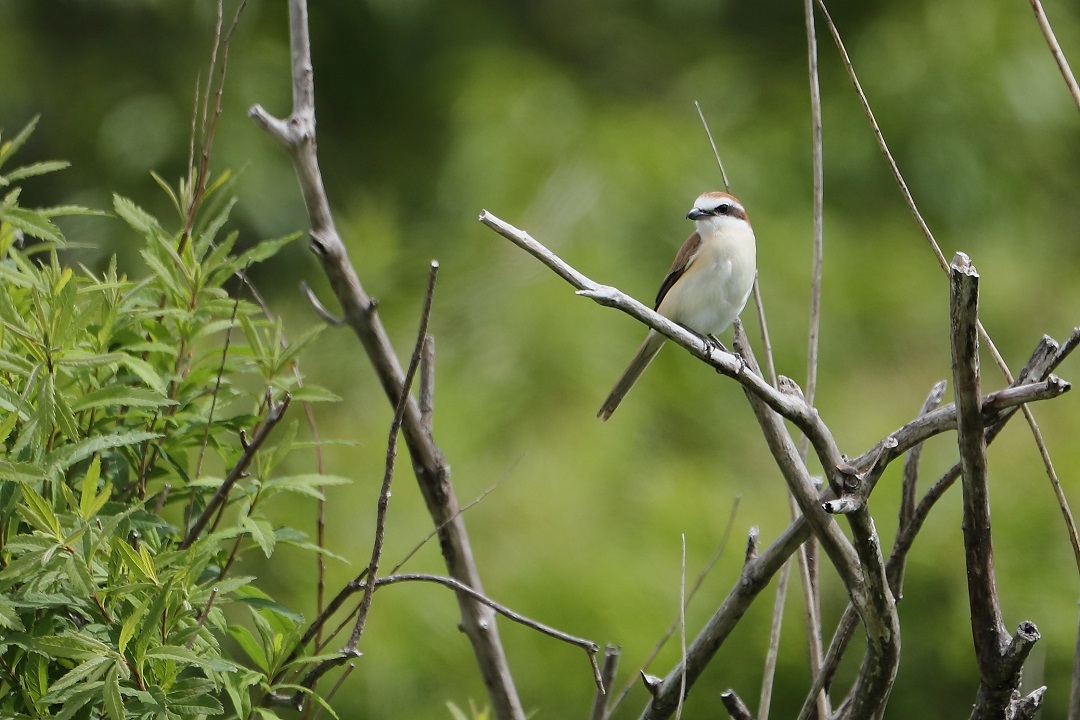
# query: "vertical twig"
[[682, 628], [391, 455], [768, 675], [808, 552], [716, 153], [1000, 658], [690, 596], [608, 668]]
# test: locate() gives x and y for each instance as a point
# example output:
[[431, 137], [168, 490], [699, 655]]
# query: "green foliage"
[[118, 396]]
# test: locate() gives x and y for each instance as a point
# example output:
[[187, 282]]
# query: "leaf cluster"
[[122, 404]]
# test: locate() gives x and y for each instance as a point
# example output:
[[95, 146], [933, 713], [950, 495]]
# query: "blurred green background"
[[576, 121]]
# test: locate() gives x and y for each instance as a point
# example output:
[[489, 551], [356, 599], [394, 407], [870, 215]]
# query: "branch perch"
[[999, 656], [296, 134]]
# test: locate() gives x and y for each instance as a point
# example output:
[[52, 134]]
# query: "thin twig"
[[588, 646], [717, 554], [716, 153], [682, 627], [202, 618], [808, 553], [1055, 50], [768, 675], [391, 455], [1044, 453], [275, 411], [607, 679]]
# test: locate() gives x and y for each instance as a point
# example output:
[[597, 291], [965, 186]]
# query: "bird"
[[707, 285]]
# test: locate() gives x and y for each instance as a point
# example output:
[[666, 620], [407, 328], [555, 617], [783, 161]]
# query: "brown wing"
[[682, 261]]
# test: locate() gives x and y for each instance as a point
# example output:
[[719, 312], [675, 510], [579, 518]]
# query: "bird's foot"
[[717, 344]]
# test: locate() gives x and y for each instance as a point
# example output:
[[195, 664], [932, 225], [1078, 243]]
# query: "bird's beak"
[[696, 214]]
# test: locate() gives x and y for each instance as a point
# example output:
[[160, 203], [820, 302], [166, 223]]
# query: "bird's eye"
[[722, 209]]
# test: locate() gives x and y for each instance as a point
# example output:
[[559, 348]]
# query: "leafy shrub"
[[120, 399]]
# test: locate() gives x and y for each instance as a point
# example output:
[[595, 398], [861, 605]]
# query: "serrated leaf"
[[135, 562], [88, 671], [64, 457], [305, 484], [145, 372], [182, 655], [32, 223], [39, 513], [262, 532], [121, 395], [131, 623], [35, 675], [11, 146], [75, 646], [34, 169], [9, 616], [139, 220], [114, 701], [89, 486]]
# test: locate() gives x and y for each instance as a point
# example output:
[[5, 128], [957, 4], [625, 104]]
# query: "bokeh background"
[[576, 121]]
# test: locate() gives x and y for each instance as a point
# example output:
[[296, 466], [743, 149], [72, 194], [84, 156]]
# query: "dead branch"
[[999, 657], [296, 134], [391, 456]]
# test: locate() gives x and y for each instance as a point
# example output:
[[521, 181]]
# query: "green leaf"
[[139, 220], [262, 532], [135, 562], [88, 671], [132, 623], [11, 146], [39, 513], [36, 675], [64, 457], [182, 655], [33, 169], [114, 701], [313, 393], [75, 646], [89, 486], [306, 484], [118, 395], [32, 223], [9, 617], [250, 646], [145, 372]]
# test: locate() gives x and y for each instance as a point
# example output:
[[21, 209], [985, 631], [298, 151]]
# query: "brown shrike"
[[707, 286]]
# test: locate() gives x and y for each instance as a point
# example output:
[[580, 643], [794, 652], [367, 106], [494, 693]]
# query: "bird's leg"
[[716, 343]]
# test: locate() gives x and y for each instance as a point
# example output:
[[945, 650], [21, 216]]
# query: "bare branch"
[[911, 461], [588, 646], [1055, 483], [1000, 658], [607, 679], [328, 317], [735, 706], [275, 411], [296, 134], [391, 456], [768, 674]]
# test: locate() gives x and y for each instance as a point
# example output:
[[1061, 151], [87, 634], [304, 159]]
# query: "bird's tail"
[[645, 354]]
